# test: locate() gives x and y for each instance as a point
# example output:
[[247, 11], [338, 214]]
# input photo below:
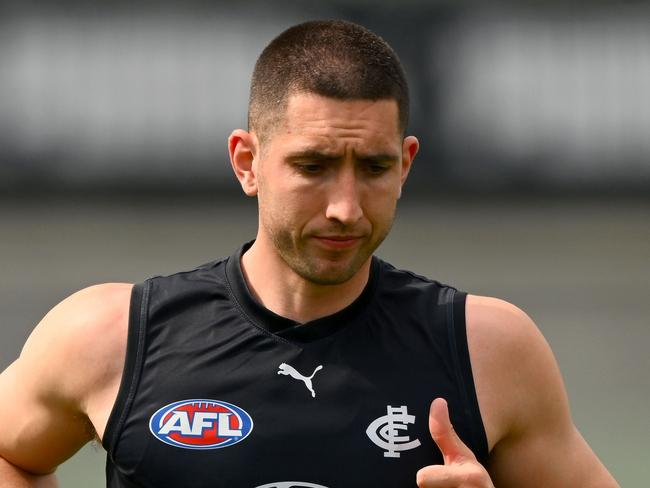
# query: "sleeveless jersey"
[[220, 392]]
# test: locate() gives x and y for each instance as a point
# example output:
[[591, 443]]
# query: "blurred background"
[[533, 179]]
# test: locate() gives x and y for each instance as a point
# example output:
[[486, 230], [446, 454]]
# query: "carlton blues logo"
[[201, 424]]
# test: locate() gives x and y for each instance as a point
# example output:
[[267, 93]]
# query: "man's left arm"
[[519, 381], [525, 410]]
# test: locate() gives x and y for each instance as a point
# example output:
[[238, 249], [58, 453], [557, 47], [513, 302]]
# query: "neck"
[[288, 294]]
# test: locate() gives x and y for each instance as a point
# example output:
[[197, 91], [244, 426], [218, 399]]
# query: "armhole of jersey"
[[132, 365], [460, 351]]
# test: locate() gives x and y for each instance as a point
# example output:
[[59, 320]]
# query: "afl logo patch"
[[201, 424]]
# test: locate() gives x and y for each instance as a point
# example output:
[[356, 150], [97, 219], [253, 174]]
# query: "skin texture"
[[350, 160], [58, 394], [326, 201], [460, 467]]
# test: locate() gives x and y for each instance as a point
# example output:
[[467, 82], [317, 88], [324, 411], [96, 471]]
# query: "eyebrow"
[[316, 155], [312, 154], [379, 158]]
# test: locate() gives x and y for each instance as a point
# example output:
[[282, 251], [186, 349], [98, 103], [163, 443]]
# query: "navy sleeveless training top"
[[220, 392]]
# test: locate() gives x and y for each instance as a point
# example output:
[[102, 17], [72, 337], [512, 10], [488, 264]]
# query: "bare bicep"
[[524, 403], [39, 431], [49, 394], [553, 459]]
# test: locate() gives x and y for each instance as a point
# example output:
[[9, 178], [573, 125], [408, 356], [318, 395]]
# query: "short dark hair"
[[332, 58]]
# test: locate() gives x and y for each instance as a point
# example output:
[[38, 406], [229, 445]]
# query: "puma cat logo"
[[289, 370]]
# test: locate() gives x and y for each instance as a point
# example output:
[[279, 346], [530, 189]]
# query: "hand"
[[461, 469]]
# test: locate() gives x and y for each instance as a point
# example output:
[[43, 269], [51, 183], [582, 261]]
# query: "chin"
[[328, 273], [327, 279]]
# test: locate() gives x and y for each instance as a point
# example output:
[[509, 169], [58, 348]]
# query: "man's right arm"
[[14, 477], [47, 396]]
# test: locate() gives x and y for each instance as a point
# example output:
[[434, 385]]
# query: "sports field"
[[580, 268]]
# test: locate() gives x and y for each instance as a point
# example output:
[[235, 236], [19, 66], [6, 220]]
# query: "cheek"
[[286, 207], [381, 214], [381, 201]]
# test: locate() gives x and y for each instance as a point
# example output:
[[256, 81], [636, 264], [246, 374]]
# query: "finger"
[[452, 448], [437, 476], [470, 474]]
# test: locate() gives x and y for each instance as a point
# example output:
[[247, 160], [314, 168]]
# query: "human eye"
[[377, 168], [310, 168]]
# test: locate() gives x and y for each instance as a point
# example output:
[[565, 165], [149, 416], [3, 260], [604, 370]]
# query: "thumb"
[[452, 448]]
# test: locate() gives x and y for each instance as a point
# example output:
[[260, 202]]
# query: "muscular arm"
[[51, 396], [524, 404], [14, 477]]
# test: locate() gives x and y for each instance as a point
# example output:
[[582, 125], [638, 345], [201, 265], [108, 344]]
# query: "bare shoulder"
[[86, 326], [524, 403], [91, 310], [82, 341], [64, 382], [489, 314], [514, 369]]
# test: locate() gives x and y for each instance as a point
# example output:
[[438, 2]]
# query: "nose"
[[344, 202]]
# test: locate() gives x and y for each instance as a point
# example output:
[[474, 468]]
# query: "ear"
[[243, 149], [410, 147]]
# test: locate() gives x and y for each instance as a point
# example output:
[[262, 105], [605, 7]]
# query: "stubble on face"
[[292, 227], [316, 266], [295, 246]]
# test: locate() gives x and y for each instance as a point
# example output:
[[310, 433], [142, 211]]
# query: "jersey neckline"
[[290, 329]]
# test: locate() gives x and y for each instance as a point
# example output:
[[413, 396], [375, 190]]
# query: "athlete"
[[302, 356]]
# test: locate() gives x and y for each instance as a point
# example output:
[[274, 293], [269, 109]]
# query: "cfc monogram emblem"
[[384, 431]]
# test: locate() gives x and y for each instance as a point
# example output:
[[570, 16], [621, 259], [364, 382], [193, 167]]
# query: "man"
[[302, 356]]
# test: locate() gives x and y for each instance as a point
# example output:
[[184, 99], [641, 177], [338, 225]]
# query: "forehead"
[[327, 123]]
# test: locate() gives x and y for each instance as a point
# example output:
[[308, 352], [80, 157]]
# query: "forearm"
[[14, 477]]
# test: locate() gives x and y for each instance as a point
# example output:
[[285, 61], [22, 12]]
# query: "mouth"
[[337, 242]]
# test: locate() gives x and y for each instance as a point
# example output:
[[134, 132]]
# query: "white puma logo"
[[288, 370]]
